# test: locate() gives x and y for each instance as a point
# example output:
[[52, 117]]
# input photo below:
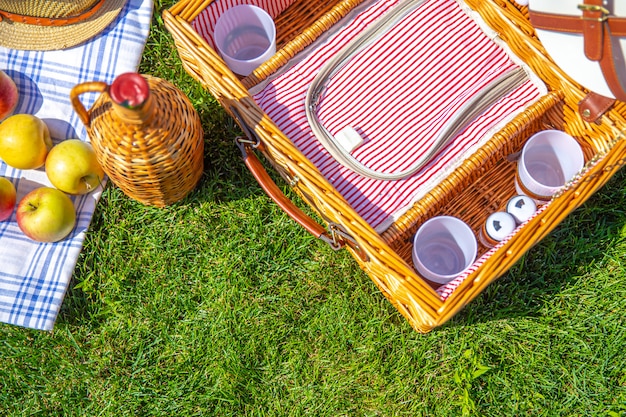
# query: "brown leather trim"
[[555, 22], [49, 21], [269, 186], [597, 30], [593, 30], [572, 24], [593, 106], [607, 64]]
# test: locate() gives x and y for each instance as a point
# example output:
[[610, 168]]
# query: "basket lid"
[[567, 49]]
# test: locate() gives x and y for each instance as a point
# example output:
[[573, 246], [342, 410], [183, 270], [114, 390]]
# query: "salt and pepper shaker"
[[521, 207], [501, 224], [498, 226]]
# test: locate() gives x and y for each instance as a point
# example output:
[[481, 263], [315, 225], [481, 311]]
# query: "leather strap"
[[597, 28], [573, 24], [593, 106], [593, 29], [51, 21]]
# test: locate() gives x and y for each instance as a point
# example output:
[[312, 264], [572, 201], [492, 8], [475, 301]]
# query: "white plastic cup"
[[443, 248], [548, 161], [245, 37]]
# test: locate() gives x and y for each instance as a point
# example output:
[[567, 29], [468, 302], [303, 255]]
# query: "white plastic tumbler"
[[245, 37], [548, 161], [443, 248]]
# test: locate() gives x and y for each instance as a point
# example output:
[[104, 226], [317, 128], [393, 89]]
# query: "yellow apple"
[[7, 198], [46, 215], [72, 167], [24, 141]]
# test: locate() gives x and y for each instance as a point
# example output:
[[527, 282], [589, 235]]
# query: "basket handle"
[[87, 87], [271, 189]]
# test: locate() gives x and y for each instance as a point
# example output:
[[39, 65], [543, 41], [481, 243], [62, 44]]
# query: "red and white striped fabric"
[[205, 22], [397, 94]]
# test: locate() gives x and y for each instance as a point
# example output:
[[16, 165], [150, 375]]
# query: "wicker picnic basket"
[[480, 185]]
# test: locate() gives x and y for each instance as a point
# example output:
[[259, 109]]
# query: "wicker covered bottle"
[[147, 136]]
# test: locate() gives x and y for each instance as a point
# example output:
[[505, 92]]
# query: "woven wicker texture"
[[154, 154], [480, 186], [80, 20], [47, 8]]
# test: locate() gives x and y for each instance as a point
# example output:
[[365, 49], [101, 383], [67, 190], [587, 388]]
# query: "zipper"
[[479, 103]]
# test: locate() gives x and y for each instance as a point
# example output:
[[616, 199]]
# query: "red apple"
[[72, 167], [7, 198], [46, 215], [8, 96]]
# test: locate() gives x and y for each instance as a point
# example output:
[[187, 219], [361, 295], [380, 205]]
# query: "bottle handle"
[[87, 87]]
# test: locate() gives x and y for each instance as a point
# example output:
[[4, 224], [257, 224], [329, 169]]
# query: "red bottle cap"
[[130, 90]]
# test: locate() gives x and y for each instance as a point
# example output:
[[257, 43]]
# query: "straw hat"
[[54, 24]]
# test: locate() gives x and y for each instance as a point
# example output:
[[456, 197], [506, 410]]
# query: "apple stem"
[[88, 184]]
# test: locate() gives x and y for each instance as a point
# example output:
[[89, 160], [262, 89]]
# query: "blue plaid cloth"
[[34, 277]]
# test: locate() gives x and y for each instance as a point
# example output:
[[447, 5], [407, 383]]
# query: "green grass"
[[220, 305]]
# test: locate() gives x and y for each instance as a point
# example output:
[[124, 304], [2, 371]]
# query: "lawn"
[[221, 305]]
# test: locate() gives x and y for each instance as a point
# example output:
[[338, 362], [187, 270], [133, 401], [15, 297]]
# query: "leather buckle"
[[594, 8]]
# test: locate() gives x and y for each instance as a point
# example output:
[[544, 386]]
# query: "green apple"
[[46, 215], [7, 198], [72, 167], [24, 141]]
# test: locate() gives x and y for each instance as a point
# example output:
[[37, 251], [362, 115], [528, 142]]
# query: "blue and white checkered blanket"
[[34, 277]]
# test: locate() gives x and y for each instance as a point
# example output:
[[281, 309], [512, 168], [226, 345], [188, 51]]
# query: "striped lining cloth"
[[34, 277], [398, 94]]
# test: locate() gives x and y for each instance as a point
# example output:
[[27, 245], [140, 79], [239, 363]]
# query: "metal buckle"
[[339, 234], [594, 8], [250, 139]]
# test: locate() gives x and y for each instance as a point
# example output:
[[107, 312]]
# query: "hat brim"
[[47, 38]]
